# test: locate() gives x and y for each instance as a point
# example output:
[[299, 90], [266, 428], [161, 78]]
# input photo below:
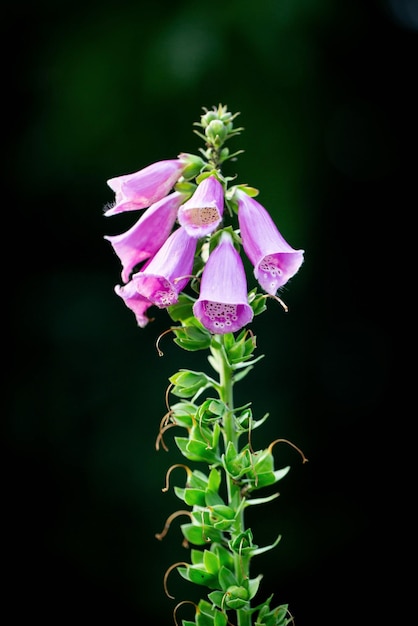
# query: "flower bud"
[[193, 165], [208, 117], [216, 132], [238, 592]]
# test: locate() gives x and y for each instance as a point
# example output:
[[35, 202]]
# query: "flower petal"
[[148, 234], [141, 189], [203, 212], [134, 301], [222, 306], [168, 272], [274, 260]]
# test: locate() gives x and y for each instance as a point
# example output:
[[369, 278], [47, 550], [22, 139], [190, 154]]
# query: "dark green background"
[[95, 90]]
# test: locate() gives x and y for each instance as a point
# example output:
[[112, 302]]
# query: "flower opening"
[[202, 213], [222, 306], [141, 189], [274, 260], [168, 272]]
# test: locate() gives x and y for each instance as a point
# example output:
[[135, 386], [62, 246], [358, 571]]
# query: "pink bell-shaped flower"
[[202, 213], [274, 260], [141, 189], [169, 271], [134, 301], [222, 306], [149, 233]]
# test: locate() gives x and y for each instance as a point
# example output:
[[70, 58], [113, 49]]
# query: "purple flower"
[[149, 233], [203, 212], [168, 272], [274, 260], [143, 188], [134, 301], [222, 306]]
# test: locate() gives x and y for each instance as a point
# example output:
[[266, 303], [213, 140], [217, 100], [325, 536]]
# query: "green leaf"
[[211, 562], [217, 597], [213, 498], [220, 619], [211, 410], [253, 585], [224, 524], [201, 452], [196, 556], [185, 187], [182, 413], [179, 492], [199, 576], [226, 578], [250, 191], [266, 548], [281, 473], [230, 453], [214, 480], [222, 510], [182, 443], [187, 383], [240, 375], [198, 480], [196, 450], [263, 479], [194, 497], [256, 501], [194, 534], [192, 335], [208, 532], [183, 309], [204, 620], [205, 607], [224, 555], [273, 617]]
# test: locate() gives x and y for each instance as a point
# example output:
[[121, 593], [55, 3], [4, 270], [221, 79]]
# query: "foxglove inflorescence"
[[185, 253], [190, 192]]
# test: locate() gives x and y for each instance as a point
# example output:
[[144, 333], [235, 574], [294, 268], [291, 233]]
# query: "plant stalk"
[[230, 434]]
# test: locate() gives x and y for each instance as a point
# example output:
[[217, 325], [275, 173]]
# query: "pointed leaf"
[[214, 480], [194, 497], [253, 585], [211, 562], [220, 619], [266, 548], [226, 578], [217, 597]]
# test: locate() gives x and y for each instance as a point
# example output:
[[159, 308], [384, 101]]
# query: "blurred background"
[[99, 89]]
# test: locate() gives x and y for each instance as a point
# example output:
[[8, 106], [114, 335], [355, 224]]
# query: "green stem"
[[230, 434]]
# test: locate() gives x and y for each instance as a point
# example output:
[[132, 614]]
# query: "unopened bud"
[[208, 117], [216, 132]]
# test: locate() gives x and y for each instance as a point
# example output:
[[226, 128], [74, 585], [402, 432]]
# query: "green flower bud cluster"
[[218, 126]]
